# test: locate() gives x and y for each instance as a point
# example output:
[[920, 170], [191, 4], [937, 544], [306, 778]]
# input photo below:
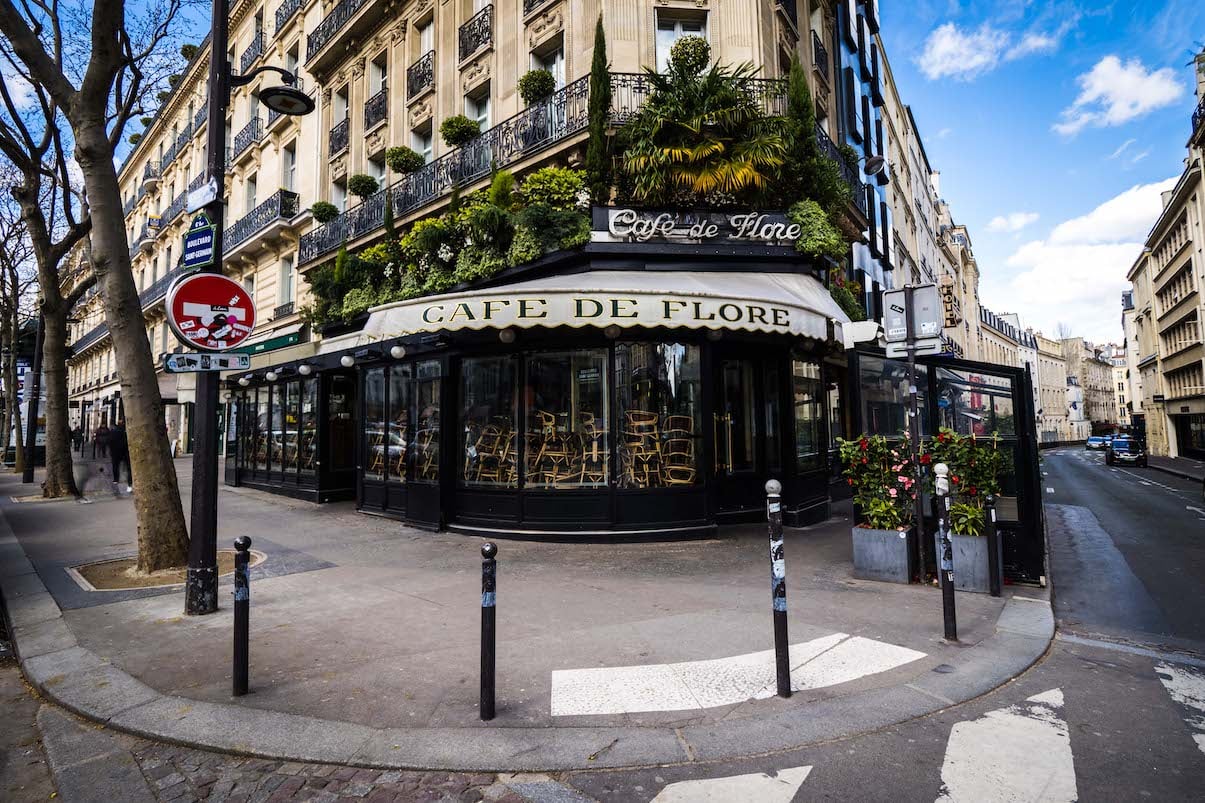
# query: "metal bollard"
[[946, 558], [778, 587], [995, 577], [242, 611], [489, 586]]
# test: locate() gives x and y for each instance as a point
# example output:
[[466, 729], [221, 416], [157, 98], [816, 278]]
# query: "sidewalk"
[[1183, 467], [365, 636]]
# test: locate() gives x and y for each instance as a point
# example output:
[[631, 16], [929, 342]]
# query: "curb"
[[84, 683], [1175, 472]]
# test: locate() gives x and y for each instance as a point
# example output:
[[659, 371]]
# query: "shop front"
[[637, 399]]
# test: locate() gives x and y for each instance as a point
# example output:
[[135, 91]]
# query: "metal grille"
[[819, 54], [330, 26], [282, 204], [421, 74], [253, 52], [375, 108], [477, 33], [339, 136], [251, 134], [285, 12]]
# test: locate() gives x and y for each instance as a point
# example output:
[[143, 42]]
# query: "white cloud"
[[20, 90], [964, 54], [1077, 274], [1121, 148], [1013, 221], [945, 132], [1113, 93], [1140, 156]]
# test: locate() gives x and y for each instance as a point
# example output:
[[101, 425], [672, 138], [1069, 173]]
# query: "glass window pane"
[[488, 393], [246, 430], [659, 400], [773, 423], [262, 429], [975, 404], [291, 419], [809, 412], [374, 423], [884, 390], [399, 421], [309, 427], [739, 427], [276, 442], [567, 416], [426, 437]]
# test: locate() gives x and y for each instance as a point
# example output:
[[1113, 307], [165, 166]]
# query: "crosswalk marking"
[[1019, 753], [1187, 687], [757, 786], [825, 661]]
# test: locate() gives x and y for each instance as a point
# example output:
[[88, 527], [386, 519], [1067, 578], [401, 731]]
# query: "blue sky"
[[1055, 125]]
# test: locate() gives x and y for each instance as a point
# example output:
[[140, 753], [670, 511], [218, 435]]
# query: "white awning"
[[778, 303]]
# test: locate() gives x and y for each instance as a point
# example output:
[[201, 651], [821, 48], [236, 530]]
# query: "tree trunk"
[[15, 408], [60, 480], [162, 535]]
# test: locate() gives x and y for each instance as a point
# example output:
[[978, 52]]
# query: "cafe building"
[[648, 383]]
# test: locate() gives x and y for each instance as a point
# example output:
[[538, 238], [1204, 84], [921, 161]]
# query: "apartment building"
[[1146, 357], [1116, 355], [999, 339], [1093, 374], [1052, 409], [1133, 378]]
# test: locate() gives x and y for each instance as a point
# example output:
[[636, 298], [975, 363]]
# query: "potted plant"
[[880, 474], [362, 185], [975, 465], [536, 86], [404, 160], [324, 211], [458, 130]]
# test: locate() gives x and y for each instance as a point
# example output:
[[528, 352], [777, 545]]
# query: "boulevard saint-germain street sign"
[[198, 243]]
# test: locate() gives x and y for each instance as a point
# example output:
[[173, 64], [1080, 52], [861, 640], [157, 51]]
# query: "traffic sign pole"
[[201, 591]]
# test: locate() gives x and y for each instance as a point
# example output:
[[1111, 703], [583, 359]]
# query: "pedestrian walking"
[[101, 441], [119, 454], [77, 438]]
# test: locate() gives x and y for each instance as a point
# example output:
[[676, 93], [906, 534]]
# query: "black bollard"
[[995, 577], [242, 613], [489, 587], [947, 573], [778, 587]]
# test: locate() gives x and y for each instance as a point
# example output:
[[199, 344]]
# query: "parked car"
[[1126, 450], [1097, 442]]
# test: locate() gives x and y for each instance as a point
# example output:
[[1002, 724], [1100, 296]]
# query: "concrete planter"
[[884, 555], [970, 563]]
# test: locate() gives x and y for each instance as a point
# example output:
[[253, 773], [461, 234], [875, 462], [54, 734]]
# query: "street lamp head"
[[286, 100], [874, 165]]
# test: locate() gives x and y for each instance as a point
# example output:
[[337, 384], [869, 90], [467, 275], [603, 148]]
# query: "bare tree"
[[90, 64], [16, 279], [1063, 330]]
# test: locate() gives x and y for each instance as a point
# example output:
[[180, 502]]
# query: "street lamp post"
[[201, 591], [34, 393]]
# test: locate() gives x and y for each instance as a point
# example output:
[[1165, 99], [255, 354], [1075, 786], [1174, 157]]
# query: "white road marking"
[[1187, 507], [1187, 687], [825, 661], [1144, 481], [1019, 753], [756, 786], [1049, 490]]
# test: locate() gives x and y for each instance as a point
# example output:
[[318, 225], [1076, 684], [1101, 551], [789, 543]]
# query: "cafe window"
[[291, 401], [246, 430], [277, 423], [567, 416], [427, 383], [262, 429], [488, 439], [972, 403], [657, 392], [809, 416], [374, 423], [399, 422], [308, 433], [883, 385]]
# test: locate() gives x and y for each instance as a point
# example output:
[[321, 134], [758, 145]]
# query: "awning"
[[271, 340], [778, 303]]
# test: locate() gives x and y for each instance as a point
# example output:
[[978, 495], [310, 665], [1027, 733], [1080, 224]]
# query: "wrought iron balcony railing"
[[200, 117], [150, 172], [848, 172], [339, 136], [420, 75], [283, 310], [330, 26], [197, 182], [128, 206], [531, 5], [174, 210], [790, 8], [253, 52], [251, 134], [375, 108], [285, 12], [158, 289], [477, 33], [281, 205], [169, 156], [1198, 116], [819, 55], [518, 137], [629, 91], [183, 137]]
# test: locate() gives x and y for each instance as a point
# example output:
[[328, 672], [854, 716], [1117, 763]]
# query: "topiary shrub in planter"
[[558, 187], [362, 185], [536, 86], [458, 130], [689, 55], [324, 211], [189, 52], [173, 79], [404, 160], [162, 96], [134, 138], [880, 474]]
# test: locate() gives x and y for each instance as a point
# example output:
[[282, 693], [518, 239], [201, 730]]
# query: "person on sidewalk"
[[119, 454], [100, 442], [77, 438]]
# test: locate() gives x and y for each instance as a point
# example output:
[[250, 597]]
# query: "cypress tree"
[[598, 156]]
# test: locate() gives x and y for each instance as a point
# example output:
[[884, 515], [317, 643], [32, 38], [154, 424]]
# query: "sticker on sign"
[[187, 363], [210, 312]]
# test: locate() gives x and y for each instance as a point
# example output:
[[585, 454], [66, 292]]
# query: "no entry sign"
[[210, 312]]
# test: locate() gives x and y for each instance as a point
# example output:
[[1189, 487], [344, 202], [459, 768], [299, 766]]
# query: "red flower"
[[865, 444], [926, 459], [864, 461], [941, 437], [953, 478], [850, 481], [973, 490]]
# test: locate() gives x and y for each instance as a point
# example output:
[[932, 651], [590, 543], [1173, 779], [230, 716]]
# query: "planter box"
[[970, 563], [884, 555]]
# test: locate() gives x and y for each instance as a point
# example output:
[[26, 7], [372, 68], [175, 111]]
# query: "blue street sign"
[[198, 243]]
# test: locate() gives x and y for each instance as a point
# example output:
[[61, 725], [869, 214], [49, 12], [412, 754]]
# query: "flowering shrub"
[[880, 474], [976, 465]]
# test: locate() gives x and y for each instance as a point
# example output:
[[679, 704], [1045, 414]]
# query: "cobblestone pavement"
[[24, 775]]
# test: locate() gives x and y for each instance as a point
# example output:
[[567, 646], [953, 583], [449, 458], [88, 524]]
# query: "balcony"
[[517, 138], [1198, 116], [850, 174], [629, 91], [477, 33], [531, 5], [285, 12], [282, 205], [349, 18], [790, 10], [158, 289], [420, 76], [339, 137], [183, 137], [252, 133], [169, 156], [375, 109], [150, 176], [128, 206], [146, 238], [252, 53], [197, 183], [174, 210], [819, 56], [283, 311], [200, 118]]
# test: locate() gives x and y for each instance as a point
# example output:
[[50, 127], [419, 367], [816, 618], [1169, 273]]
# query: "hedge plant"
[[559, 187]]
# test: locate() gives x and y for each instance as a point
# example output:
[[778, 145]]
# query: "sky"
[[1055, 127]]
